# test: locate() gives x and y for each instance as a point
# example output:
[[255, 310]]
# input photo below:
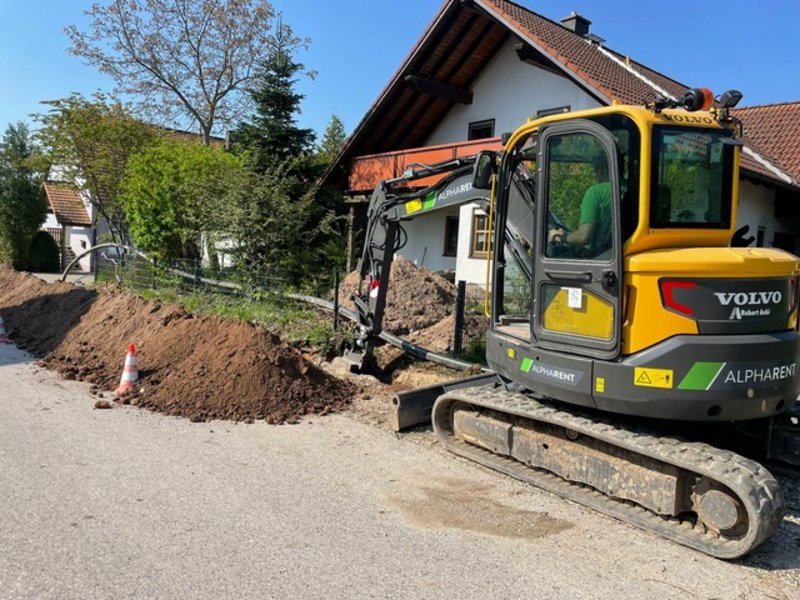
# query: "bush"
[[44, 253]]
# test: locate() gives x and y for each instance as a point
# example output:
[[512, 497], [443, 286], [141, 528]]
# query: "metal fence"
[[470, 322], [193, 276]]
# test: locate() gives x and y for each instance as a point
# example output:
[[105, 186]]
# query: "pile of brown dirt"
[[417, 298], [200, 367], [439, 338]]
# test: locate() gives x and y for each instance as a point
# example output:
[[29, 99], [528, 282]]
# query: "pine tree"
[[272, 137], [333, 140]]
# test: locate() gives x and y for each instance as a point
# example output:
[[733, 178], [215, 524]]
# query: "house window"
[[451, 236], [553, 111], [479, 130], [480, 235]]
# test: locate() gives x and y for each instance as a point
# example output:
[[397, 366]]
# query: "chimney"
[[577, 23]]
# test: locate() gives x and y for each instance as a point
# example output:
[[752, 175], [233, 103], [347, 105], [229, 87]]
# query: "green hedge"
[[44, 253]]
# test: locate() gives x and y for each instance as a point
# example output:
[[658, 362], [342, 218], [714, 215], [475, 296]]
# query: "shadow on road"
[[11, 355], [39, 325]]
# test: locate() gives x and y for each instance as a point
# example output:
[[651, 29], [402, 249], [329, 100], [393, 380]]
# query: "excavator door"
[[577, 264]]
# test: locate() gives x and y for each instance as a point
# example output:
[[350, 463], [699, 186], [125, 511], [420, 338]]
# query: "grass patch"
[[294, 321]]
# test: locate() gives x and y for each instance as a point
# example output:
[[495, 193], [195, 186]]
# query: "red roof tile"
[[774, 129], [66, 204], [613, 75]]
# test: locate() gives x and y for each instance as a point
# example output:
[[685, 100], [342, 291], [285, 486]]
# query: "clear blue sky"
[[356, 46]]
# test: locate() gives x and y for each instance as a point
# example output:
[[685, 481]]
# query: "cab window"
[[579, 198], [692, 178]]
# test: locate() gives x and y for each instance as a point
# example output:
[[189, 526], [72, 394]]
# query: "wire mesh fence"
[[471, 322], [194, 276]]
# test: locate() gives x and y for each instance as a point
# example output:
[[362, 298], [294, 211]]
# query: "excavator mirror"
[[483, 170]]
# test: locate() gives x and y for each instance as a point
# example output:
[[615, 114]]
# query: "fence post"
[[461, 296], [335, 298], [155, 268], [196, 273]]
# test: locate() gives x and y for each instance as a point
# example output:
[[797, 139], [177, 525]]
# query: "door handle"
[[609, 280], [569, 275]]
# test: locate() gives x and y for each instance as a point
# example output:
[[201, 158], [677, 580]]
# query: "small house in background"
[[73, 220], [69, 222], [483, 67]]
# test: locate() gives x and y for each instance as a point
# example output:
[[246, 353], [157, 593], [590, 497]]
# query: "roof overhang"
[[460, 41], [437, 74]]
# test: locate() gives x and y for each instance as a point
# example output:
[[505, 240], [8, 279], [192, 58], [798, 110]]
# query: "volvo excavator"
[[618, 309]]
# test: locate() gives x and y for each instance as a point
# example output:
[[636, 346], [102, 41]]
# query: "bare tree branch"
[[179, 58]]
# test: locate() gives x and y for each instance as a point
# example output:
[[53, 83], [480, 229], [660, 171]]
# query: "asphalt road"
[[124, 503]]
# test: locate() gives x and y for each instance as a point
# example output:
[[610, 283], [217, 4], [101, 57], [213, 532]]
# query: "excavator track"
[[706, 498]]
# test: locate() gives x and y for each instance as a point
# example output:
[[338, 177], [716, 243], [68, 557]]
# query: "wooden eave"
[[453, 52]]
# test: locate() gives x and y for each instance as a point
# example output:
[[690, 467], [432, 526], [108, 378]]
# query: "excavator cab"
[[633, 287]]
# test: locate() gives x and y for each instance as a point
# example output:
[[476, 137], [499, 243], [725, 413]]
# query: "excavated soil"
[[416, 299], [207, 367], [200, 367], [420, 306], [439, 338]]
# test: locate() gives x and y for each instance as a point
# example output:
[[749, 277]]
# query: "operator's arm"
[[583, 235]]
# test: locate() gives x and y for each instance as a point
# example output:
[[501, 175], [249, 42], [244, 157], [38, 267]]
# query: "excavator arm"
[[391, 204]]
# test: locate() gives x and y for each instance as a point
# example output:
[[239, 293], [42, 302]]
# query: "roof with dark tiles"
[[608, 72], [605, 74]]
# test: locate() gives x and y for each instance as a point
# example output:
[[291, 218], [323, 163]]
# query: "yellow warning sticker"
[[413, 206], [654, 378], [599, 385], [511, 353]]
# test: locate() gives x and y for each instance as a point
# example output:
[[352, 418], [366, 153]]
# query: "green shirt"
[[596, 209]]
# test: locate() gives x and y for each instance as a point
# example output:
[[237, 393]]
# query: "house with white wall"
[[69, 221], [483, 67]]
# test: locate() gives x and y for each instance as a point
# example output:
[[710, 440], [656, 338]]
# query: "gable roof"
[[458, 44], [610, 75], [454, 49], [775, 130], [66, 203]]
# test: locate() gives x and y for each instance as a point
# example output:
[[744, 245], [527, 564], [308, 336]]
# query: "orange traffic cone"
[[3, 338], [130, 374]]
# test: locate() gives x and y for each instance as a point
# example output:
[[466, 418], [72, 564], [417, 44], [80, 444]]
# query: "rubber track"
[[756, 487]]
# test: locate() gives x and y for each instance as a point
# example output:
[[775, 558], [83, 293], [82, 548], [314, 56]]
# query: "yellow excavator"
[[618, 309]]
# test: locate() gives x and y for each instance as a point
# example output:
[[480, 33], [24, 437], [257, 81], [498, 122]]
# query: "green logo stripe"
[[526, 365], [701, 376]]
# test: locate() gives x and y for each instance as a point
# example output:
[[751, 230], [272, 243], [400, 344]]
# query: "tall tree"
[[273, 229], [272, 136], [282, 220], [333, 140], [179, 58], [89, 143], [22, 211]]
